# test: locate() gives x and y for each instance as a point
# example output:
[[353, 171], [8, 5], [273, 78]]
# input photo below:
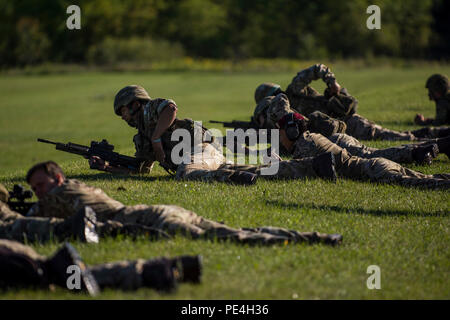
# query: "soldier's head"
[[260, 113], [437, 86], [265, 90], [4, 194], [45, 176], [129, 101]]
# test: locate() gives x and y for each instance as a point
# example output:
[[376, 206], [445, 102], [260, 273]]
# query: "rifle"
[[20, 194], [236, 124], [103, 150]]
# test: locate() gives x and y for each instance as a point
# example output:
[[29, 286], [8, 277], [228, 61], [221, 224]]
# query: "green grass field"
[[405, 231]]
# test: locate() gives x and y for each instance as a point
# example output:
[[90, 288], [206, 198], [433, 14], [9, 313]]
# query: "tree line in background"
[[112, 31]]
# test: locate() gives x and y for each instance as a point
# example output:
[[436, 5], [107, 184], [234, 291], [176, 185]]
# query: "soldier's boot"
[[189, 268], [65, 263], [81, 226], [324, 166], [443, 132], [160, 275], [243, 177], [423, 133], [115, 228], [425, 154], [444, 145], [331, 239]]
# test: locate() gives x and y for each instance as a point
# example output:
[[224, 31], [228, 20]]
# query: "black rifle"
[[103, 150], [20, 194], [236, 124]]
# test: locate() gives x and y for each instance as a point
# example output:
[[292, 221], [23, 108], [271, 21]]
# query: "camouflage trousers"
[[125, 275], [177, 220], [212, 165], [401, 154], [363, 129], [432, 132], [374, 169]]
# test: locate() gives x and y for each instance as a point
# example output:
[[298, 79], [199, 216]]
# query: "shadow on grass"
[[375, 212], [104, 176], [111, 177]]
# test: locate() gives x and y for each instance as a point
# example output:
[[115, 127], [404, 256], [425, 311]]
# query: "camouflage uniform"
[[374, 169], [318, 122], [442, 117], [14, 226], [206, 160], [305, 100], [65, 200], [33, 269]]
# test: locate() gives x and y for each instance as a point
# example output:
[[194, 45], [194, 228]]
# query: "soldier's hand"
[[419, 119], [97, 163], [335, 88], [159, 152]]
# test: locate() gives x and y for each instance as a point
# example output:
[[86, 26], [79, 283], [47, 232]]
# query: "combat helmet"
[[438, 83], [4, 194], [265, 90], [127, 95]]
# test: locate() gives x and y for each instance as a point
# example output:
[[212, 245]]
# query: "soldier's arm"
[[315, 72], [102, 165], [166, 117], [442, 113]]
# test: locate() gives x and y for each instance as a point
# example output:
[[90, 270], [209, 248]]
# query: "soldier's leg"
[[132, 275], [296, 236], [207, 165], [21, 266], [432, 132], [363, 129], [408, 153], [385, 171], [177, 220], [303, 168]]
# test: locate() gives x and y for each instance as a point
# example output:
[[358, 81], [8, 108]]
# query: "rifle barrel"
[[46, 141]]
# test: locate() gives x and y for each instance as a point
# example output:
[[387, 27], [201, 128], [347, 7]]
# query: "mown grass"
[[405, 231]]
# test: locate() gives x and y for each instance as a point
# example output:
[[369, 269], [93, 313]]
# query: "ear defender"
[[292, 128]]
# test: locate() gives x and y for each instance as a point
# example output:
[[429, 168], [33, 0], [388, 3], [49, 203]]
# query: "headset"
[[294, 127]]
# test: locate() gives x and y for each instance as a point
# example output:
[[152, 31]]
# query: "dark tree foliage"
[[33, 32]]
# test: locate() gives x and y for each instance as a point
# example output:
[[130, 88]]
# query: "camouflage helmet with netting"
[[127, 95], [265, 90], [438, 83], [4, 194]]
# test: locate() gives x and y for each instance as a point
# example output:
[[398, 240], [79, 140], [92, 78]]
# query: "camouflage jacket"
[[306, 99], [65, 200], [146, 125], [317, 121]]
